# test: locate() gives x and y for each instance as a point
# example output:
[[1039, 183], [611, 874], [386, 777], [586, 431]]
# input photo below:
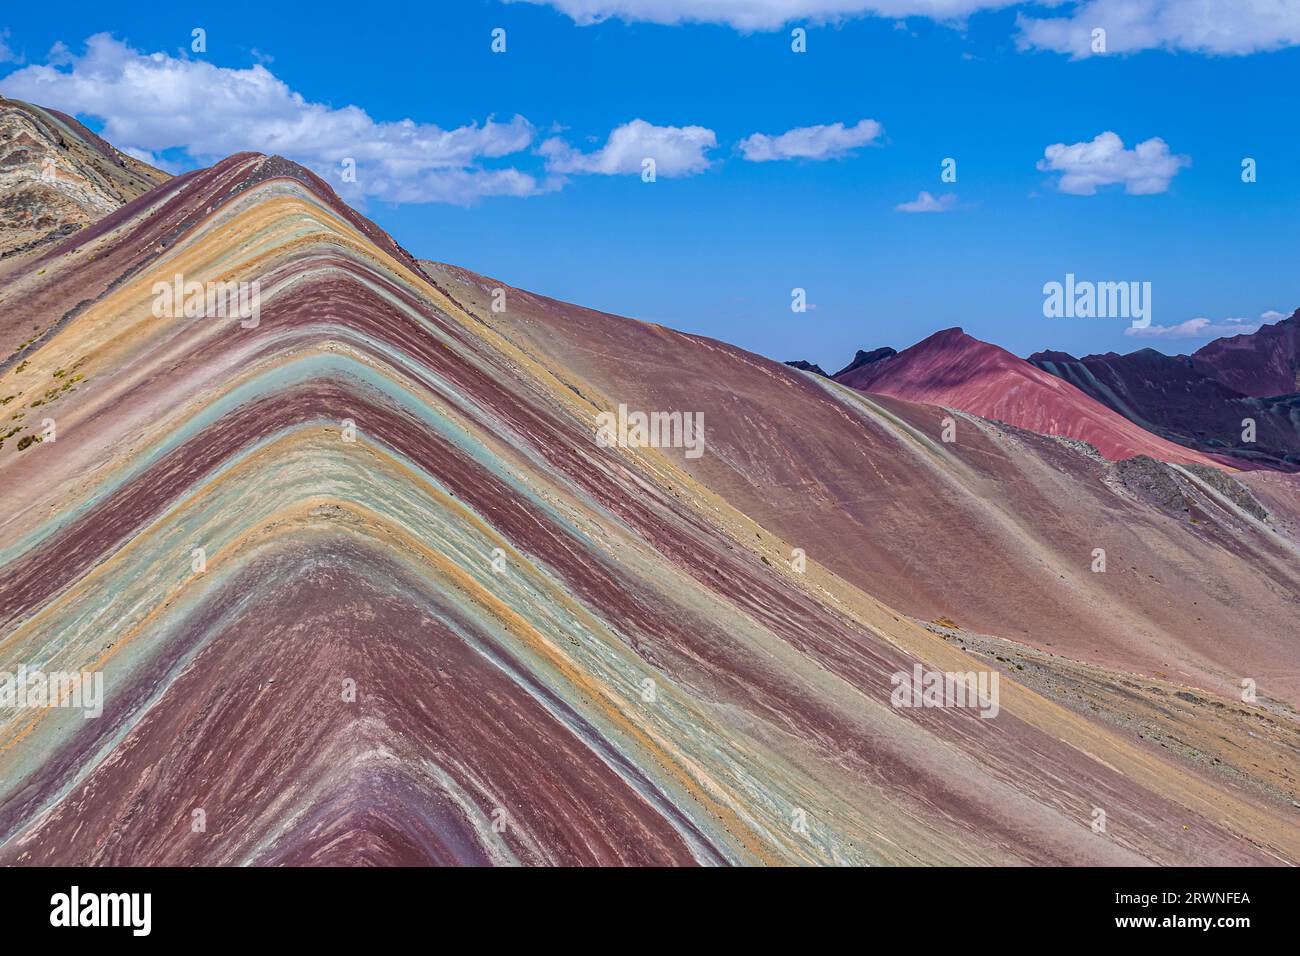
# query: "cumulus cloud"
[[158, 162], [151, 103], [1202, 328], [60, 55], [924, 202], [7, 54], [676, 150], [763, 14], [810, 142], [1143, 170], [1225, 27]]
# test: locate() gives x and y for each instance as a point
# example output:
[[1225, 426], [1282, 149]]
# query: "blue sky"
[[716, 244]]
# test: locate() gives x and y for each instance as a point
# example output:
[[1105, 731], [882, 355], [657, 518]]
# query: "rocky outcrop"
[[804, 366], [57, 177]]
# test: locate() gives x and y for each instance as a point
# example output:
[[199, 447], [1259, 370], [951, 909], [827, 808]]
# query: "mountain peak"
[[863, 358], [1051, 355], [806, 366], [955, 332]]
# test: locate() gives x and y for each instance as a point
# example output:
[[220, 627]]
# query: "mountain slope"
[[364, 587], [995, 529]]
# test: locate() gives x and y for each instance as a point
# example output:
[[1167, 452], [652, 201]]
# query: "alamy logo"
[[651, 430], [37, 689], [215, 300], [923, 688], [1100, 300], [103, 909]]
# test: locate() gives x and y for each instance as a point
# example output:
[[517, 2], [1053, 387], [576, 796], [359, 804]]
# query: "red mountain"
[[952, 369]]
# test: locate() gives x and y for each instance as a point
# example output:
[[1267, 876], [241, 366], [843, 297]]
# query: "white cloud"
[[60, 55], [150, 103], [764, 14], [1205, 26], [924, 202], [676, 150], [1144, 170], [1202, 328], [158, 162], [810, 142], [1227, 27], [7, 54]]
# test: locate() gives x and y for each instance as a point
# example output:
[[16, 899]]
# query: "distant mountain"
[[861, 361], [808, 367], [952, 369], [1262, 364], [57, 177], [1201, 401]]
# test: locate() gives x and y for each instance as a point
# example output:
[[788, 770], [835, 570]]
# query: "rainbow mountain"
[[364, 588]]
